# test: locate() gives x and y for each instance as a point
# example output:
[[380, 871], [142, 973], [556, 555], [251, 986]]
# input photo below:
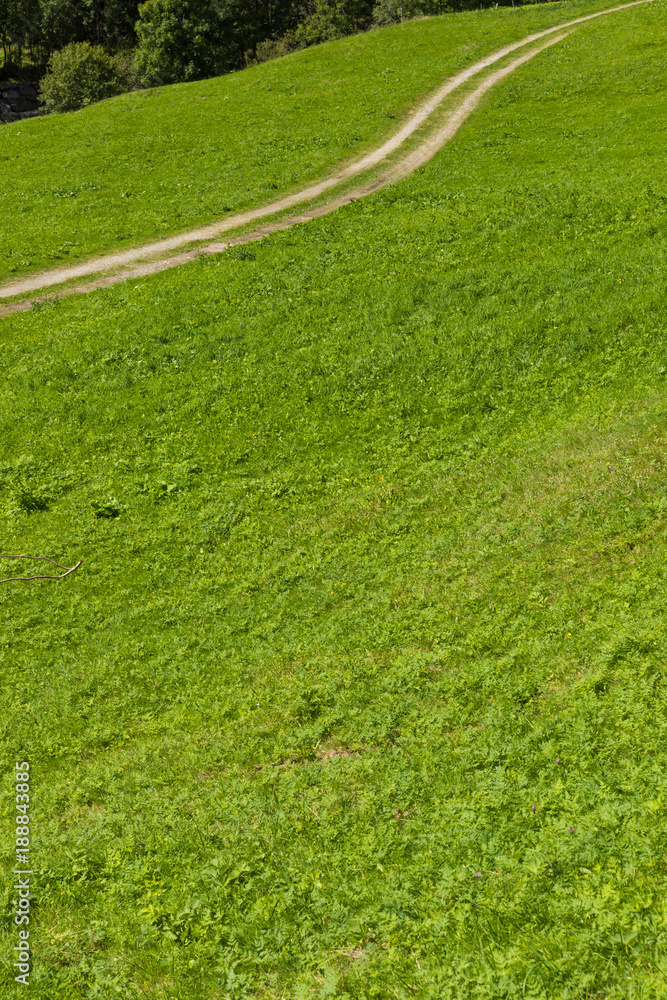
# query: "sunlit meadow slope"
[[360, 690], [155, 162]]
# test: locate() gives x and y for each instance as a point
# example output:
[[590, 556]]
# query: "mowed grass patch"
[[361, 687], [154, 162]]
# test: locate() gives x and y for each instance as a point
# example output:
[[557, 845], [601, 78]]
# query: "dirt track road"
[[111, 269]]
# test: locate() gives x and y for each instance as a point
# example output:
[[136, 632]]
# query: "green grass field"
[[155, 162], [360, 691]]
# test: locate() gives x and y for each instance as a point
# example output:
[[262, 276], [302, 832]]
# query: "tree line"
[[176, 40]]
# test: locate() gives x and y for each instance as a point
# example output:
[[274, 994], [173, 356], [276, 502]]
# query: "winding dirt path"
[[141, 261]]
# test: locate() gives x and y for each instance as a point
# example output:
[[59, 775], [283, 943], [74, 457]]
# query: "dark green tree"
[[191, 39], [178, 40], [109, 23], [20, 30]]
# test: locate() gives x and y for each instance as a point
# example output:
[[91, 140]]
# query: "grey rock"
[[19, 100]]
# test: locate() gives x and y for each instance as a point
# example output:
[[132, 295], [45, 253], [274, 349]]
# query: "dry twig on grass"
[[60, 576]]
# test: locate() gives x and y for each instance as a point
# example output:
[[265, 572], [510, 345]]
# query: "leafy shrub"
[[125, 63], [333, 19], [78, 75], [272, 48], [395, 11], [391, 12]]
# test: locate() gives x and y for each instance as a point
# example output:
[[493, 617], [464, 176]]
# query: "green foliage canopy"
[[191, 39], [109, 23], [176, 40]]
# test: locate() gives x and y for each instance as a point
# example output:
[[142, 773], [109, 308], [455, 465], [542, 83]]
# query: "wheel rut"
[[111, 269]]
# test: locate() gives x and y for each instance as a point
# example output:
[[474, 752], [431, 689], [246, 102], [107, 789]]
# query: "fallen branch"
[[61, 576]]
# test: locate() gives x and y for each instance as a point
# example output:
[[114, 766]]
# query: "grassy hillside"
[[360, 690], [155, 162]]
